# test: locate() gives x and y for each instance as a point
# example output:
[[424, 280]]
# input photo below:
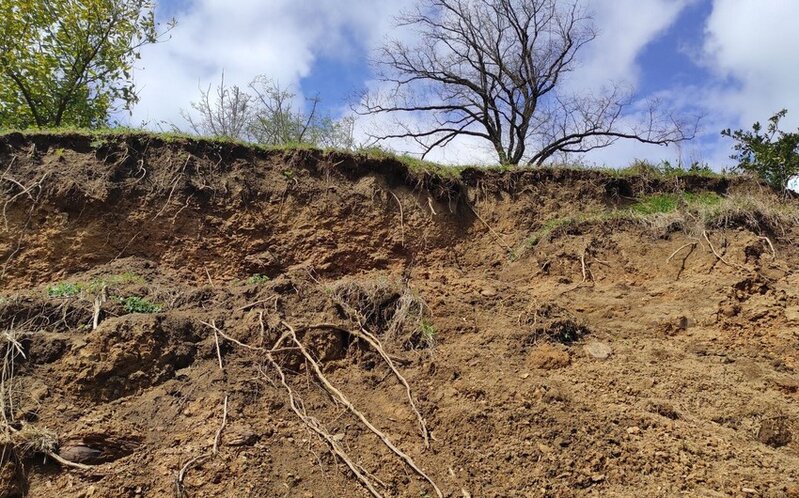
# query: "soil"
[[596, 363]]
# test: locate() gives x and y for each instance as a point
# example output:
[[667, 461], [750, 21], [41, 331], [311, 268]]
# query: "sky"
[[733, 62]]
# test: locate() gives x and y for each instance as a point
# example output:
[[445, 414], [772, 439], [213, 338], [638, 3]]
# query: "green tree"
[[69, 62], [772, 156]]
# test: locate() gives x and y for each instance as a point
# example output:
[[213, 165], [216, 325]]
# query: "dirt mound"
[[193, 318]]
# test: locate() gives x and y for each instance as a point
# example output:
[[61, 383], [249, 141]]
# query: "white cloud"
[[625, 27], [279, 38], [752, 44]]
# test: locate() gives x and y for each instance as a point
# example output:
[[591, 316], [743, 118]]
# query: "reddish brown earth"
[[648, 376]]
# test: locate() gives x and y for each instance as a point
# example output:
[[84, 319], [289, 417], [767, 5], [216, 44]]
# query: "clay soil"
[[589, 364]]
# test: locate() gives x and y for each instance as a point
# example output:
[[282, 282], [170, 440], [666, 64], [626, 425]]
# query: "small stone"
[[488, 292], [598, 477], [633, 430], [525, 376], [749, 491], [598, 350]]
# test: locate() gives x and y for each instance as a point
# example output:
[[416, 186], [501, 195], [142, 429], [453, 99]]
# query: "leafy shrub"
[[64, 289], [772, 155], [135, 304]]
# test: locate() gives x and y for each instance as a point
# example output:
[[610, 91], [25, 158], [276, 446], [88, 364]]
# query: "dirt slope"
[[615, 358]]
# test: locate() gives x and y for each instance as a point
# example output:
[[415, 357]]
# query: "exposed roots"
[[388, 307], [290, 341], [338, 395]]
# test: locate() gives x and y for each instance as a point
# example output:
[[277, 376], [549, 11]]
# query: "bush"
[[773, 155]]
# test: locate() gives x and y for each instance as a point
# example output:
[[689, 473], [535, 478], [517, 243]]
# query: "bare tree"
[[278, 122], [228, 113], [269, 116], [494, 69]]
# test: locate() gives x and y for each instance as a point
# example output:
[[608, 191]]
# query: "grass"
[[692, 212], [429, 334], [72, 289], [100, 137], [667, 203]]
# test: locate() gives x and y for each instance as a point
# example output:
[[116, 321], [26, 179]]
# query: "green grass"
[[667, 203], [135, 304], [645, 208]]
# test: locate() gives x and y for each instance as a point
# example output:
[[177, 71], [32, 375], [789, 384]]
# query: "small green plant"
[[257, 279], [135, 304], [64, 289], [772, 155], [429, 334]]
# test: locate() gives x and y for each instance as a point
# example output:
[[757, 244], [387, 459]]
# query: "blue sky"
[[732, 61]]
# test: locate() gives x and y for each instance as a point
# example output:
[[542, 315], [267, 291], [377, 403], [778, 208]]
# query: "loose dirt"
[[595, 362]]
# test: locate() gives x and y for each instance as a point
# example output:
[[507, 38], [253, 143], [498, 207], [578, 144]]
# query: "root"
[[218, 436], [690, 244], [98, 303], [499, 238], [180, 490], [373, 341], [582, 264], [315, 426], [216, 340], [720, 257], [771, 246], [330, 388], [402, 219]]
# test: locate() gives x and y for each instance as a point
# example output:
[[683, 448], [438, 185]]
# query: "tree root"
[[313, 424], [330, 388]]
